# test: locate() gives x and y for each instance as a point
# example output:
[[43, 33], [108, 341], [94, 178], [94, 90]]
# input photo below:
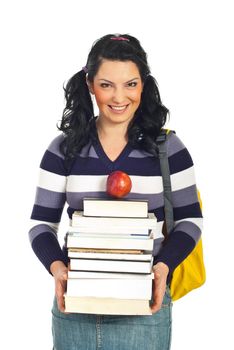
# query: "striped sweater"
[[87, 178]]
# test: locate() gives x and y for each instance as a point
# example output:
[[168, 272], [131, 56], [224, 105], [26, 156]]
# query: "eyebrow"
[[125, 82]]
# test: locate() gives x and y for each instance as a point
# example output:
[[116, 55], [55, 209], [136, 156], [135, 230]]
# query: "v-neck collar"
[[115, 164]]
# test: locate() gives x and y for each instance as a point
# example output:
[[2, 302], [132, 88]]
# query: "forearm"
[[48, 250]]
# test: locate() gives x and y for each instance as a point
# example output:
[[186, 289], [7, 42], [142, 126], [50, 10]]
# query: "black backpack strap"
[[164, 164]]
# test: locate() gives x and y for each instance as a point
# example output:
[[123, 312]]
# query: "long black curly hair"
[[78, 120]]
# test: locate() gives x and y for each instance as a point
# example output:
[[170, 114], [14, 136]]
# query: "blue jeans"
[[112, 332]]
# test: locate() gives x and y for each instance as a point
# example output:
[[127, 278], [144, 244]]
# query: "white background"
[[189, 46]]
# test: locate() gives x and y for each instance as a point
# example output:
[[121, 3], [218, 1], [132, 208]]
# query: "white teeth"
[[120, 108]]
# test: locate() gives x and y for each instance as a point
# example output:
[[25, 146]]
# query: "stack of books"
[[110, 246]]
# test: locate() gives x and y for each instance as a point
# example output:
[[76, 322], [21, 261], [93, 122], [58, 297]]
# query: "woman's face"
[[117, 87]]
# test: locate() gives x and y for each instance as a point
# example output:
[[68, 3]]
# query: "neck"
[[110, 131]]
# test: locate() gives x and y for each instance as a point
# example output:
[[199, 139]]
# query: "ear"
[[90, 86]]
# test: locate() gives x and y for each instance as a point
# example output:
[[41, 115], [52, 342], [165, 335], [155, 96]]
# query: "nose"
[[118, 95]]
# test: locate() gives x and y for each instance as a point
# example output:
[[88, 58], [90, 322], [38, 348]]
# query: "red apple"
[[118, 184]]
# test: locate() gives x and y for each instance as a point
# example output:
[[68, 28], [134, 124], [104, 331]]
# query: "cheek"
[[136, 96], [101, 98]]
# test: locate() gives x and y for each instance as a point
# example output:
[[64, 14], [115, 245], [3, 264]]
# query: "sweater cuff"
[[47, 249], [176, 248]]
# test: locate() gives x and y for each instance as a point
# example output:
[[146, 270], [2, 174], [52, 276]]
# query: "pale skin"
[[117, 88]]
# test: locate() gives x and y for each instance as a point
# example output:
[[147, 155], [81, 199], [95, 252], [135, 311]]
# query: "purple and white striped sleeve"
[[48, 206]]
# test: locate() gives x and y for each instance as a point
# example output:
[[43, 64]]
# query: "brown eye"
[[132, 84], [104, 85]]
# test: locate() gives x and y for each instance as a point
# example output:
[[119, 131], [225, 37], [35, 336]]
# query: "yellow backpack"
[[190, 274]]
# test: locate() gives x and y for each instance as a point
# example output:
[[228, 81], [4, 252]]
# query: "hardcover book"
[[129, 208], [107, 306]]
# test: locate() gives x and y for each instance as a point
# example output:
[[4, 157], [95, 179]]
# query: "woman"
[[121, 137]]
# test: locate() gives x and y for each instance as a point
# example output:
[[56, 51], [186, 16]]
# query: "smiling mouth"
[[118, 108]]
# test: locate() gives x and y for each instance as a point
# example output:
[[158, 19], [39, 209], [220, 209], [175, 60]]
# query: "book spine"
[[107, 306], [116, 288], [109, 243], [110, 266], [109, 275], [120, 230], [80, 220], [115, 208], [109, 256]]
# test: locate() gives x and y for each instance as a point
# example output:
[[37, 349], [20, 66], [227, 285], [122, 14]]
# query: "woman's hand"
[[59, 271], [159, 285]]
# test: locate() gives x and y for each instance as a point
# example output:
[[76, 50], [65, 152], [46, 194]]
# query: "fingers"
[[155, 308], [159, 287], [157, 304], [64, 276], [60, 290], [61, 303]]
